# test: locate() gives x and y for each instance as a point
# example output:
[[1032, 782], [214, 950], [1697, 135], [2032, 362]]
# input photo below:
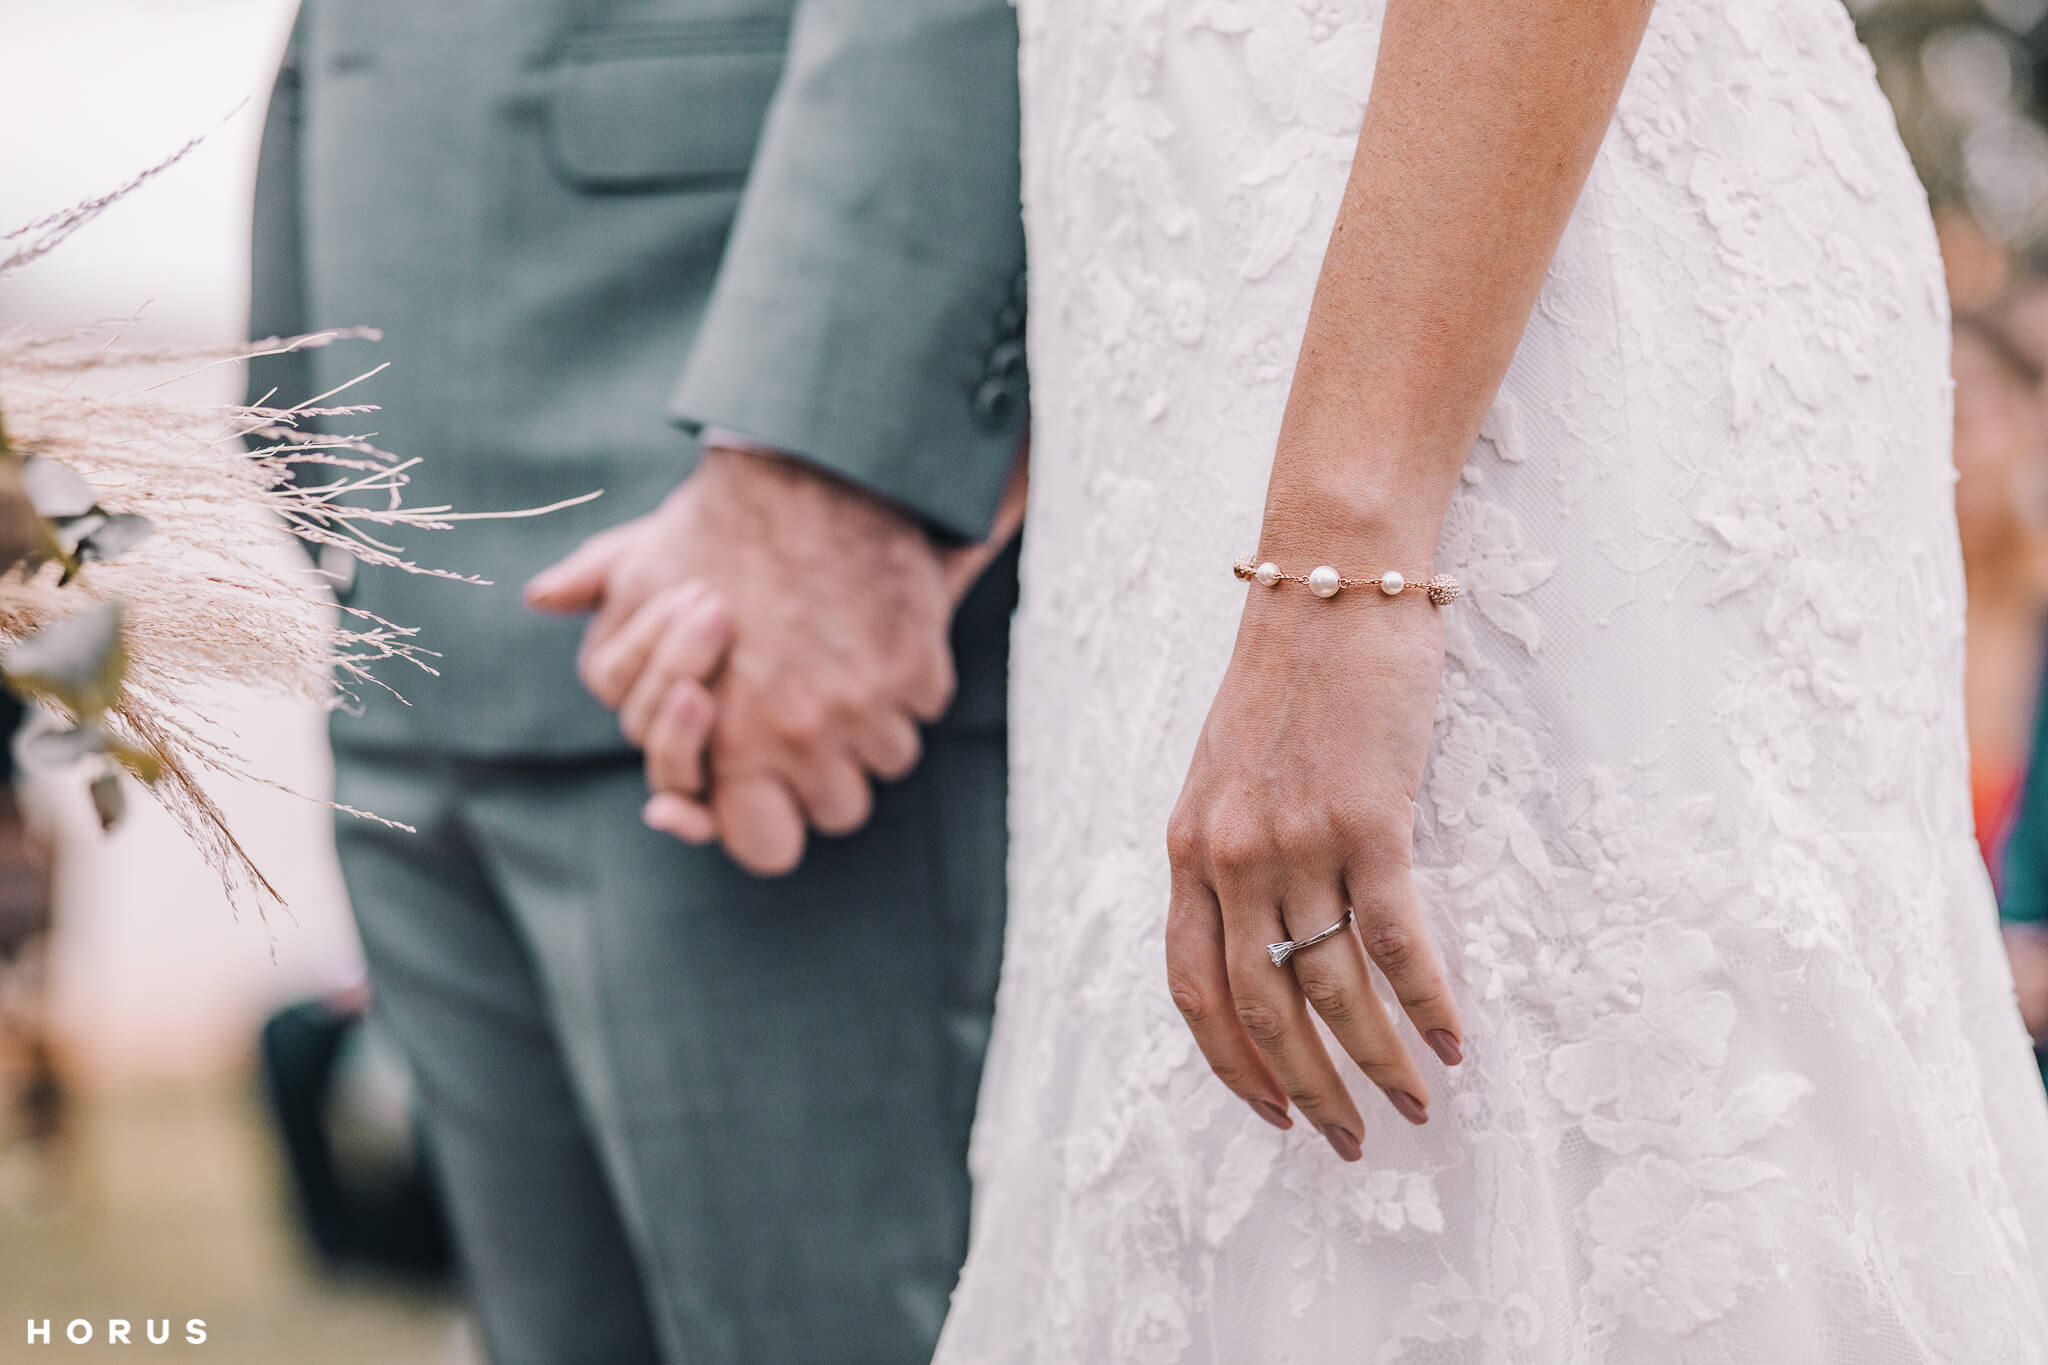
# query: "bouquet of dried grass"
[[139, 569]]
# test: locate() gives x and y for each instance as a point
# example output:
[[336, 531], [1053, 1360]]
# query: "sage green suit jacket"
[[588, 229]]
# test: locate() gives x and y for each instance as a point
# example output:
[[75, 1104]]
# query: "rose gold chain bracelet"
[[1324, 581]]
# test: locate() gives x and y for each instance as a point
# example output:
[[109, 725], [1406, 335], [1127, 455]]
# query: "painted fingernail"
[[1273, 1114], [1445, 1046], [1342, 1143], [1411, 1108]]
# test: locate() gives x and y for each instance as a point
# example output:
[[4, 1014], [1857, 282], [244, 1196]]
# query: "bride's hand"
[[1297, 806]]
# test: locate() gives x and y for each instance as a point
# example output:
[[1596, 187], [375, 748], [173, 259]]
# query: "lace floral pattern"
[[1746, 1084]]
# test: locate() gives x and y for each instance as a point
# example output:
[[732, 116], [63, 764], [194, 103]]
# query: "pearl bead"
[[1391, 582], [1324, 581], [1268, 574]]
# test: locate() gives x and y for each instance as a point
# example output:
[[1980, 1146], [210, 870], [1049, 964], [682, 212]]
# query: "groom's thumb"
[[575, 584]]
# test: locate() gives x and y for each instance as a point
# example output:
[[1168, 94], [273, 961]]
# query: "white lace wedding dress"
[[1746, 1083]]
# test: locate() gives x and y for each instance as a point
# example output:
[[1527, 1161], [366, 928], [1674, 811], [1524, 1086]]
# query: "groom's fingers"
[[677, 738], [685, 818], [759, 821], [888, 745], [833, 790], [1200, 986]]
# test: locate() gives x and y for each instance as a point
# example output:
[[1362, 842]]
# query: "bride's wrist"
[[1341, 497], [1351, 527]]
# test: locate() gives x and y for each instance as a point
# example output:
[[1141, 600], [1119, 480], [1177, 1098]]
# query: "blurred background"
[[141, 1175], [142, 1172]]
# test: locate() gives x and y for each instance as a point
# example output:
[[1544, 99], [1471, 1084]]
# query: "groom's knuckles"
[[800, 720]]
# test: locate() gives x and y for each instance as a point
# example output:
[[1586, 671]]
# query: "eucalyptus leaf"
[[76, 660], [60, 748], [109, 799], [143, 764], [117, 535], [56, 490], [72, 531]]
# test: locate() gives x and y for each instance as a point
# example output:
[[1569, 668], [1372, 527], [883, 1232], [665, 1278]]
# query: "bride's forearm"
[[1484, 119]]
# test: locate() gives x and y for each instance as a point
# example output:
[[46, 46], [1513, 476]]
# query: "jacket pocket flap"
[[621, 122]]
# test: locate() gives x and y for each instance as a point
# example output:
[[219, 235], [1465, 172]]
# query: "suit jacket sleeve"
[[868, 313], [277, 302]]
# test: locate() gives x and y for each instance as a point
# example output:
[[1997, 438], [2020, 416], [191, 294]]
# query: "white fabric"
[[1746, 1082]]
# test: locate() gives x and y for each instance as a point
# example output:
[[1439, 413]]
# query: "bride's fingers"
[[888, 745], [690, 648], [1273, 1014], [577, 583], [1397, 939], [609, 666], [684, 817], [1201, 991], [677, 738], [1337, 984], [833, 790]]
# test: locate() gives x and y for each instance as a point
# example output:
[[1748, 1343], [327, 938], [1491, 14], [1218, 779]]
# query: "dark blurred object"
[[343, 1106], [24, 862], [33, 1104]]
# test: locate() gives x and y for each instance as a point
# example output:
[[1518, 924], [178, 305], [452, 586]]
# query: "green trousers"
[[683, 1114]]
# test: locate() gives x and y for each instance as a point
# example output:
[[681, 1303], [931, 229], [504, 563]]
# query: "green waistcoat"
[[588, 228]]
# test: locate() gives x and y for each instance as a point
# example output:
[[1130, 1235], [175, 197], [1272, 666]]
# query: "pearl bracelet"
[[1325, 581]]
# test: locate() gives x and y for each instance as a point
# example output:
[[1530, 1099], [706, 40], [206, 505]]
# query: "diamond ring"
[[1280, 952]]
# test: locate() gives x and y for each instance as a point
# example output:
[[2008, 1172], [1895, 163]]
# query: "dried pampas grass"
[[207, 601]]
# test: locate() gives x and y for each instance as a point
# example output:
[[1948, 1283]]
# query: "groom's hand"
[[837, 605]]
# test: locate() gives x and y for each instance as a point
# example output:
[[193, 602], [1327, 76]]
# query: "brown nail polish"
[[1410, 1107], [1445, 1046], [1342, 1143], [1273, 1114]]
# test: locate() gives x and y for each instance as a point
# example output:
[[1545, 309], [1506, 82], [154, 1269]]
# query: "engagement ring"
[[1280, 952]]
